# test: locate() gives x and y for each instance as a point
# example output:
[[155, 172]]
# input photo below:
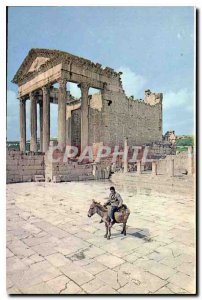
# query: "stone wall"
[[182, 163], [76, 127], [59, 169], [96, 119], [160, 150], [22, 167], [140, 121], [67, 171]]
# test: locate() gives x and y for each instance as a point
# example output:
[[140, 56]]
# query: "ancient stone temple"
[[106, 117]]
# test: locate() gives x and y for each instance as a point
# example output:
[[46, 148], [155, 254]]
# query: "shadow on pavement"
[[140, 233]]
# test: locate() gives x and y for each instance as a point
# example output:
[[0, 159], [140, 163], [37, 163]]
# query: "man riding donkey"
[[113, 211], [115, 201]]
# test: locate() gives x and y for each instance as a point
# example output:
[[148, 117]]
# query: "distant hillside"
[[185, 140], [16, 144]]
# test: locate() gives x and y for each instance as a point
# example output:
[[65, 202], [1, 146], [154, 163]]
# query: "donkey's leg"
[[109, 232], [124, 231], [106, 226]]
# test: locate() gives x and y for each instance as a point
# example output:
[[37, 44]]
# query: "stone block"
[[40, 172], [56, 179], [77, 274], [59, 283], [86, 177], [72, 288], [42, 289], [12, 167], [132, 288], [109, 260], [93, 285], [27, 178], [95, 267], [110, 278], [184, 282], [57, 259], [39, 178], [18, 178], [11, 162], [14, 265]]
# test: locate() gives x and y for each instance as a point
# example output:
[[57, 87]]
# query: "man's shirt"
[[115, 199]]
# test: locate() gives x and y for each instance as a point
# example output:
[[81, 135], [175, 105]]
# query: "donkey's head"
[[92, 209]]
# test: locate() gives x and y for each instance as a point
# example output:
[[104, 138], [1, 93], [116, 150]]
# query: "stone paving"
[[54, 248]]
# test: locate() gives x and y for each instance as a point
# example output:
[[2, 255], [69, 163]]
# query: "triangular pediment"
[[40, 60], [35, 59], [37, 63]]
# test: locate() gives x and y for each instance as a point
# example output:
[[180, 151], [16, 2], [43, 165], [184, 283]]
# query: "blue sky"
[[152, 46]]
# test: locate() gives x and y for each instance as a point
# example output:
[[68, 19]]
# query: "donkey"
[[120, 216]]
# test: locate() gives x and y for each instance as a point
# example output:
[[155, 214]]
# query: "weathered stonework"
[[183, 163], [59, 168], [139, 121], [22, 167], [170, 137], [105, 117]]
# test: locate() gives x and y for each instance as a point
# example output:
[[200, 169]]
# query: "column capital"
[[22, 98], [46, 88], [32, 95], [84, 86]]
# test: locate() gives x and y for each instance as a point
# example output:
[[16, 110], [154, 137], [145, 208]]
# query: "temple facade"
[[103, 118]]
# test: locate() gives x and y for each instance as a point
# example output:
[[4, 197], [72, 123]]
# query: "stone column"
[[62, 113], [125, 156], [171, 167], [33, 122], [46, 117], [41, 124], [190, 160], [84, 115], [22, 124], [68, 125], [139, 169], [154, 168]]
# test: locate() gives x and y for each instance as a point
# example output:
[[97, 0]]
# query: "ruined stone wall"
[[141, 122], [67, 171], [22, 167], [160, 150], [76, 127], [58, 168], [181, 164], [96, 120]]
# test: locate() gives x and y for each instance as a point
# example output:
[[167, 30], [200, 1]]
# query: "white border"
[[3, 4]]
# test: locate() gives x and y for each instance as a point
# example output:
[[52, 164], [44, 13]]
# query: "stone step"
[[39, 178], [56, 178]]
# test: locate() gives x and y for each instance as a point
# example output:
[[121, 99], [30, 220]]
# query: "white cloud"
[[133, 83], [179, 36], [182, 98], [178, 111]]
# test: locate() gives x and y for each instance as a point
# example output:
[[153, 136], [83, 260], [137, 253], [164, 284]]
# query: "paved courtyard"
[[54, 248]]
